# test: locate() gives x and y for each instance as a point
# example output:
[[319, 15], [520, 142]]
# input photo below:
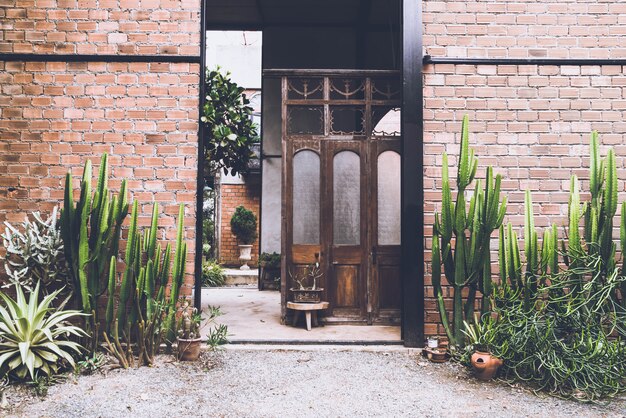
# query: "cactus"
[[469, 264], [142, 303], [91, 232], [539, 263]]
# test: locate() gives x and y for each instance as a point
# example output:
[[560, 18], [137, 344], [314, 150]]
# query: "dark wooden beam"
[[412, 218]]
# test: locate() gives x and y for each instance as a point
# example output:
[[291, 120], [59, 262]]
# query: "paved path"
[[284, 383]]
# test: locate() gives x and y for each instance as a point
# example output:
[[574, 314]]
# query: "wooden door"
[[345, 228], [341, 178], [384, 236]]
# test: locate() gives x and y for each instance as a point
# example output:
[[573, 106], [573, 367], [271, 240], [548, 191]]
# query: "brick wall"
[[231, 196], [55, 116], [169, 27], [532, 123], [525, 28]]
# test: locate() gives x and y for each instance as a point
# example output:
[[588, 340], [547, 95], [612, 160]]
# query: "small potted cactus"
[[189, 333]]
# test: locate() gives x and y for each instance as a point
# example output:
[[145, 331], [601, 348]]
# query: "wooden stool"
[[308, 308]]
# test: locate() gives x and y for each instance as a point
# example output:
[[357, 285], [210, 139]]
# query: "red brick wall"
[[231, 196], [169, 27], [55, 116], [525, 28]]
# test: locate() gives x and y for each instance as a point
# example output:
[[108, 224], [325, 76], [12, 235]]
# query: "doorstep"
[[236, 277]]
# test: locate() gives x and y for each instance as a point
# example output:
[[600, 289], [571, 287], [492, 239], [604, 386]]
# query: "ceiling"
[[258, 14]]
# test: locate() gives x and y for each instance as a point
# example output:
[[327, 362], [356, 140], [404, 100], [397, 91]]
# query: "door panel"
[[386, 288], [346, 233]]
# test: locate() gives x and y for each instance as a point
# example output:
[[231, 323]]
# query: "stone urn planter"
[[485, 365], [243, 224], [245, 255]]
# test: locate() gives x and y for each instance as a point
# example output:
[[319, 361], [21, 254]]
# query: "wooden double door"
[[342, 207]]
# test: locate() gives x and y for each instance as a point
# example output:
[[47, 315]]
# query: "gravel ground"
[[277, 383]]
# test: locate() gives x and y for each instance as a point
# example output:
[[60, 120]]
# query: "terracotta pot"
[[485, 365], [436, 355], [189, 350]]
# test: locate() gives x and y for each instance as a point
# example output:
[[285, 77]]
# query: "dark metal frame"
[[412, 189], [191, 59], [524, 61], [197, 286]]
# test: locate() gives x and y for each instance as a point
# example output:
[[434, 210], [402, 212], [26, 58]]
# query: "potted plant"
[[189, 333], [306, 290], [270, 270], [481, 336], [243, 225]]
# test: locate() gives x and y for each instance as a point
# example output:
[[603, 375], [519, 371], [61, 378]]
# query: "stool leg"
[[308, 320], [296, 314]]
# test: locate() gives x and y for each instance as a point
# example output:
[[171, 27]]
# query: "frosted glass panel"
[[346, 198], [306, 198], [389, 198]]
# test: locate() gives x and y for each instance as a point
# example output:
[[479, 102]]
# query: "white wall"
[[238, 52]]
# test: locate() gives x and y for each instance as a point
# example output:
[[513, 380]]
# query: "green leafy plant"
[[91, 231], [34, 338], [468, 264], [90, 364], [212, 274], [229, 126], [269, 260], [35, 254], [481, 333], [144, 313], [243, 224], [218, 334]]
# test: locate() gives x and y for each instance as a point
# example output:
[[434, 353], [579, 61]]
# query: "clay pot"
[[485, 365], [436, 355], [189, 350]]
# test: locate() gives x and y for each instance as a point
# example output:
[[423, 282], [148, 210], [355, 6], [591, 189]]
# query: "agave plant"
[[33, 338]]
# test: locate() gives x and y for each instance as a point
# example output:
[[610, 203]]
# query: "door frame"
[[412, 215]]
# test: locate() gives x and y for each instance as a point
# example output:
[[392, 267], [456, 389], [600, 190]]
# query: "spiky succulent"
[[34, 337]]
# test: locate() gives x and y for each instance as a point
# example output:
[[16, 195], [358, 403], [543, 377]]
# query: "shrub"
[[36, 254], [212, 274], [271, 260], [33, 339], [218, 334], [243, 225], [228, 119]]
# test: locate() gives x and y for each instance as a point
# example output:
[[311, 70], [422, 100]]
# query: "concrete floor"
[[253, 316]]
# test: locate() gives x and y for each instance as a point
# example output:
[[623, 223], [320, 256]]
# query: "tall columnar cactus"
[[468, 265], [91, 232], [142, 304], [603, 206], [539, 263]]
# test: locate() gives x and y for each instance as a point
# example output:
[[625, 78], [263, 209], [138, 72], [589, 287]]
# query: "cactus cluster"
[[91, 231], [539, 262], [143, 305], [461, 239]]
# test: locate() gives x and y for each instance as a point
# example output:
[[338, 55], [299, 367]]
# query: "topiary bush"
[[243, 224]]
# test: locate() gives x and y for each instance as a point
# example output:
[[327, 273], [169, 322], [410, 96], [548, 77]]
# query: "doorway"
[[341, 157]]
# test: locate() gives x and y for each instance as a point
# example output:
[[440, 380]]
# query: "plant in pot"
[[306, 290], [189, 333], [270, 270], [243, 225], [481, 337]]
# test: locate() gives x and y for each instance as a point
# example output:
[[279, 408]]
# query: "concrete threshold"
[[324, 347], [315, 342]]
